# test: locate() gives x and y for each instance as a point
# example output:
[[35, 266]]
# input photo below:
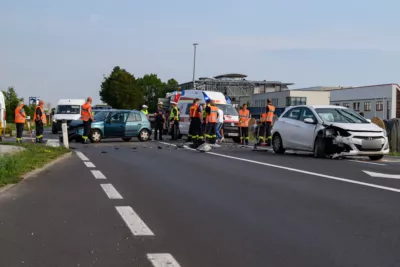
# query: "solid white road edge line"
[[81, 156], [110, 191], [366, 162], [133, 221], [301, 171], [383, 175], [98, 174], [89, 164], [162, 260]]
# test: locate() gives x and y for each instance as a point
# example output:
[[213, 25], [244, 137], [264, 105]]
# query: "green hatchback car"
[[124, 124]]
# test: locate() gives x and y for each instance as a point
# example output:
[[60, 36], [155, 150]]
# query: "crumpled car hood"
[[368, 127]]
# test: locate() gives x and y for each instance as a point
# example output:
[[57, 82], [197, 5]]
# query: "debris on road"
[[204, 148]]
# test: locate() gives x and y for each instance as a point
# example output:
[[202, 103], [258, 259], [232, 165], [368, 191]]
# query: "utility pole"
[[194, 65]]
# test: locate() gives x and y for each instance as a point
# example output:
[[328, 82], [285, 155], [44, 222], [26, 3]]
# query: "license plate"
[[371, 144], [233, 134]]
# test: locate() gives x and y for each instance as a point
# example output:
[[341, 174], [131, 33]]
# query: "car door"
[[114, 125], [133, 124], [304, 138], [288, 126]]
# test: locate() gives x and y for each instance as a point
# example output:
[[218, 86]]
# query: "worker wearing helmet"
[[40, 121], [174, 121], [145, 111], [87, 118]]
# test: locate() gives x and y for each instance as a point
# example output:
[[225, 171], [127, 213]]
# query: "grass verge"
[[395, 154], [13, 166]]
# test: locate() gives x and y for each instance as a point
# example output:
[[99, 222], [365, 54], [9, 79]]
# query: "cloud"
[[94, 18]]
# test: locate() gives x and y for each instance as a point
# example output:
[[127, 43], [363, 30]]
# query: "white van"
[[67, 109], [231, 116], [2, 111]]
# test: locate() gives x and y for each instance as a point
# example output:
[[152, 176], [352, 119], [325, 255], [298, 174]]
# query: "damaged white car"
[[328, 131]]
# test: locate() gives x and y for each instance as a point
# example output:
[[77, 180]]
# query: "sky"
[[56, 49]]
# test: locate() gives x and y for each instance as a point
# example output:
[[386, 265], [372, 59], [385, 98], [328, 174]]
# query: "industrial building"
[[381, 100], [235, 86]]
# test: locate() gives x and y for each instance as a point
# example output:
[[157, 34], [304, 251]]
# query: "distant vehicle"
[[124, 124], [231, 116], [68, 110], [101, 107], [328, 131], [2, 111]]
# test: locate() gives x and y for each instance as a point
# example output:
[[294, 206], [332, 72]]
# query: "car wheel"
[[378, 157], [95, 137], [127, 139], [319, 148], [277, 144], [144, 135]]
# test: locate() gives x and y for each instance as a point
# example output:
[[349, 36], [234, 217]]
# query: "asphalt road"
[[147, 204]]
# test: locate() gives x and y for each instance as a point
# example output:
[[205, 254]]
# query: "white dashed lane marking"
[[98, 174], [89, 164], [111, 192], [133, 221], [298, 170], [81, 156], [162, 260]]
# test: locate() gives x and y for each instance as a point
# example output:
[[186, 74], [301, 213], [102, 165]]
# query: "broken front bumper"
[[362, 145]]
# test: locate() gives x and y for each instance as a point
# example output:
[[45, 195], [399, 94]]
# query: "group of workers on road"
[[206, 122], [20, 119], [40, 119]]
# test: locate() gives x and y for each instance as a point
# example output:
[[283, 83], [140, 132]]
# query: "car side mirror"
[[309, 121]]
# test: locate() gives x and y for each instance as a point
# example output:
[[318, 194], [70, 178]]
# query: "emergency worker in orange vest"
[[266, 124], [204, 121], [87, 118], [40, 121], [244, 117], [20, 119], [212, 115], [196, 115]]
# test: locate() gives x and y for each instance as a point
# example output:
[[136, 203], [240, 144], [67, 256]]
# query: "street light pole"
[[194, 65]]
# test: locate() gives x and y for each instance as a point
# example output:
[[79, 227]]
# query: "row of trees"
[[122, 90], [11, 101]]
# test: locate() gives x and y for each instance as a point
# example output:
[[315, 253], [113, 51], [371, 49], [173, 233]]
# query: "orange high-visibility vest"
[[212, 117], [270, 113], [43, 118], [86, 112], [244, 116], [18, 116], [194, 111]]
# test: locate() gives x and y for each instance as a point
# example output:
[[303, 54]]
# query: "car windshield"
[[68, 109], [340, 115], [100, 115], [228, 109]]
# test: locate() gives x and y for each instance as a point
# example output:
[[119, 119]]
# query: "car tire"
[[127, 139], [378, 157], [95, 136], [144, 135], [319, 149], [277, 144]]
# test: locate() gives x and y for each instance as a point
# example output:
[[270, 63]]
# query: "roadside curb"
[[36, 171], [48, 165]]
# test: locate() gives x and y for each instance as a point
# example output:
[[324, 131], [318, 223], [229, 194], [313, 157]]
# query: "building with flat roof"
[[382, 100], [235, 86]]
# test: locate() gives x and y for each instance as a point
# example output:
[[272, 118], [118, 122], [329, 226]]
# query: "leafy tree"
[[120, 90], [153, 88], [11, 101]]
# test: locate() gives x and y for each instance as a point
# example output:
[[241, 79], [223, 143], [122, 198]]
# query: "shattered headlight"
[[330, 132]]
